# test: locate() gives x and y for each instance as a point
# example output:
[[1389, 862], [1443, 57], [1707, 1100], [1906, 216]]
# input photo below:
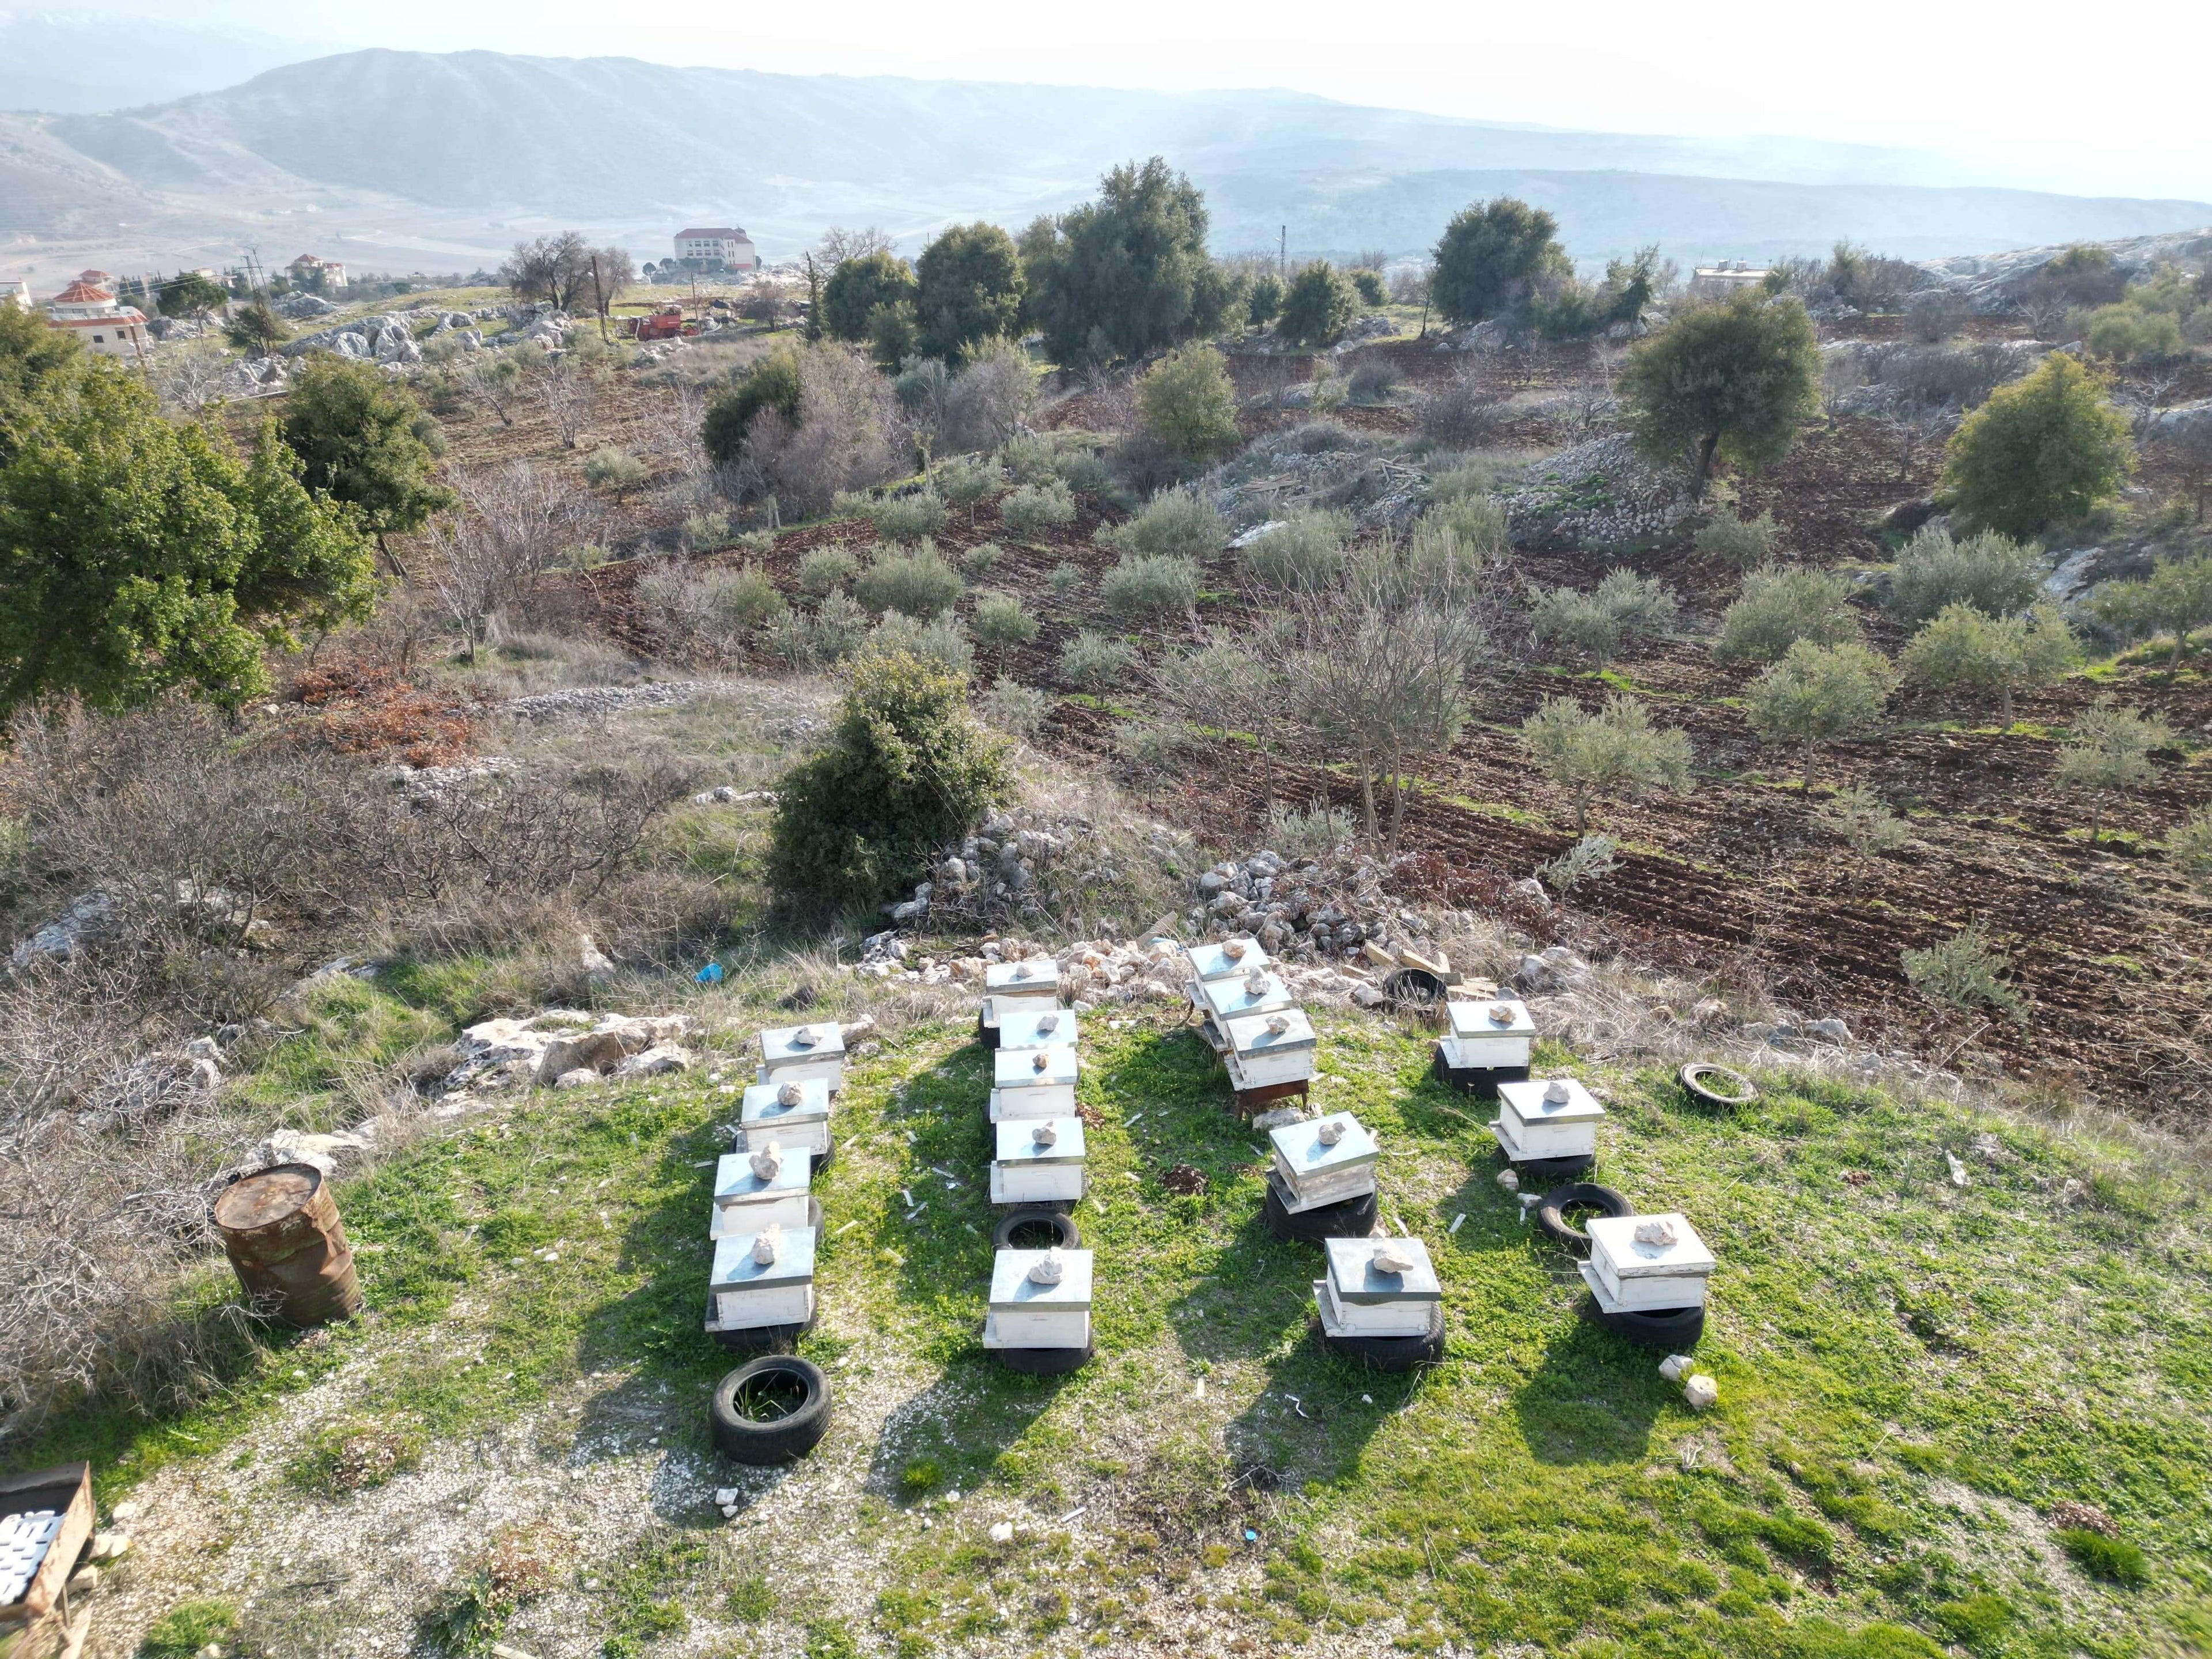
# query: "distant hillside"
[[76, 62], [631, 148]]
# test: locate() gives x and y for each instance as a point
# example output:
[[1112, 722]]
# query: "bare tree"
[[554, 268], [2186, 447], [513, 524], [564, 392], [187, 381], [838, 244]]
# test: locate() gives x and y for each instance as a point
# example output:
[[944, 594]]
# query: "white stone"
[[1701, 1393], [1003, 1532]]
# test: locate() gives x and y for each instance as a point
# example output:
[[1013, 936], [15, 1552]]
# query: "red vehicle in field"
[[665, 323]]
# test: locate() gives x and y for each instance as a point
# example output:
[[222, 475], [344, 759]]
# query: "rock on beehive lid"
[[806, 1101], [768, 1162], [1023, 1026], [1233, 956], [1650, 1246], [1031, 977], [1014, 1287], [793, 1044], [1039, 1140], [1285, 1029], [1335, 1142], [1381, 1270], [738, 1265], [1232, 995], [1056, 1066]]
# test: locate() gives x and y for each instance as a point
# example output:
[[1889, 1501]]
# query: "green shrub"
[[1743, 542], [1964, 651], [1305, 550], [1265, 302], [186, 1628], [1002, 623], [1862, 819], [1036, 507], [1015, 708], [940, 639], [968, 481], [1175, 523], [1317, 307], [2108, 753], [1613, 750], [1780, 607], [1368, 285], [1624, 608], [1155, 745], [1491, 257], [907, 771], [1312, 831], [1143, 585], [1029, 459], [823, 638], [1817, 693], [1085, 472], [771, 383], [919, 583], [609, 468], [2175, 599], [1187, 404], [921, 1477], [1964, 971], [1096, 662], [2112, 1558], [1996, 575], [826, 569], [908, 517], [702, 530], [1066, 580], [2128, 333], [2190, 846], [1731, 381], [2047, 449]]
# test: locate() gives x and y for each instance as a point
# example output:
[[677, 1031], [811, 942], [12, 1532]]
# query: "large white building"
[[317, 275], [100, 324], [722, 248]]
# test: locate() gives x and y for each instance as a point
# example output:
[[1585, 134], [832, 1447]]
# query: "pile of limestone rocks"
[[1600, 493], [563, 1047]]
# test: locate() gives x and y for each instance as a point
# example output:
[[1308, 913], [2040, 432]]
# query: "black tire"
[[775, 1409], [1392, 1354], [1354, 1217], [1697, 1079], [1414, 990], [1065, 1233], [986, 1034], [1043, 1362], [1554, 1170], [1585, 1193], [1675, 1330], [765, 1338]]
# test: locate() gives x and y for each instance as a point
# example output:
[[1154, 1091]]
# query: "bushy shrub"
[[1002, 623], [940, 640], [2102, 1557], [1731, 381], [2190, 846], [968, 481], [982, 558], [821, 638], [1027, 458], [1462, 414], [2175, 599], [1302, 552], [617, 470], [907, 771], [1265, 301], [1174, 524], [1150, 585], [1470, 477], [1780, 607], [1317, 307], [1480, 522], [1966, 652], [1085, 472], [908, 517], [1155, 745], [1311, 832], [919, 583], [1862, 819], [1614, 749], [1817, 693], [2044, 450], [1373, 380], [1992, 573], [1624, 608], [2108, 753], [1745, 543], [1964, 971], [1014, 708], [1937, 314], [1066, 580], [825, 569], [2130, 334], [1036, 507], [1096, 662], [1590, 858], [710, 612], [702, 530], [1187, 404]]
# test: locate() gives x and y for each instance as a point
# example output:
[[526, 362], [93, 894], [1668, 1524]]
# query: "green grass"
[[1908, 1370], [186, 1628]]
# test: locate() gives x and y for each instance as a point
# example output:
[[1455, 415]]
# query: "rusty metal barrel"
[[281, 1230]]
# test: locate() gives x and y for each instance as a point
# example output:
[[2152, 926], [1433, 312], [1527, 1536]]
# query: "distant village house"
[[316, 276], [99, 323], [716, 249], [1729, 277]]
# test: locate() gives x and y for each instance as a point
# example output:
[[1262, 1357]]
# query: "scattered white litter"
[[1298, 1406], [1198, 1389], [1133, 1120], [1958, 1169], [843, 1230], [907, 1196], [1072, 1514], [917, 1209], [1131, 1174], [1456, 1219], [938, 1169], [1367, 1399], [709, 1163], [1003, 1532]]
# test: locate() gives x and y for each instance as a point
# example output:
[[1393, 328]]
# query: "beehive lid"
[[1305, 1153], [1352, 1275], [1631, 1258], [1017, 1140], [1013, 1291], [784, 1044], [763, 1109], [1252, 1034], [1036, 1028], [736, 1270], [1016, 1068], [1474, 1019], [1228, 956], [1528, 1104], [734, 1179], [1234, 994], [1031, 977]]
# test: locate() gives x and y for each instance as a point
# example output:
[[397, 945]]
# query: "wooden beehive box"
[[1027, 1315], [1631, 1275], [1491, 1036], [1232, 996], [42, 1553], [1356, 1299], [801, 1053], [1033, 979], [743, 1203], [800, 1124], [1310, 1171], [745, 1294], [1225, 956], [1030, 1172], [1265, 1050], [1030, 1083], [1547, 1117], [1024, 1026]]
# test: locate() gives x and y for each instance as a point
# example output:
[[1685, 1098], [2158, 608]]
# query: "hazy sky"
[[2076, 99]]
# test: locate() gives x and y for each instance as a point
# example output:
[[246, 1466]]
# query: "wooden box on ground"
[[800, 1124], [1666, 1268], [1491, 1037], [1356, 1299], [1027, 1315], [1270, 1048], [1033, 1083], [743, 1203], [36, 1562], [1038, 1026], [1229, 956], [1234, 995], [745, 1294], [1311, 1170], [1032, 1170], [1545, 1118], [800, 1053]]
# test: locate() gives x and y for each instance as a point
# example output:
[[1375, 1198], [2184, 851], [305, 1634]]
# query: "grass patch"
[[2112, 1558], [186, 1628]]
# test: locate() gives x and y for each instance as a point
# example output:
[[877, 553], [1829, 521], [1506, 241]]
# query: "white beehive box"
[[1023, 1026], [1265, 1050], [1030, 980], [1033, 1083], [746, 1203], [748, 1293], [1547, 1117], [1639, 1263], [1311, 1170], [801, 1123], [1025, 1314], [1491, 1036], [1032, 1170], [1232, 996], [796, 1053], [1358, 1299], [1225, 956]]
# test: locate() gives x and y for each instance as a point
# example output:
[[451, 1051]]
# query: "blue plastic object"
[[710, 975]]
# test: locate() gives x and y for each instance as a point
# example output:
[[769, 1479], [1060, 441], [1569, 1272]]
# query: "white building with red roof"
[[317, 275], [716, 248], [102, 326]]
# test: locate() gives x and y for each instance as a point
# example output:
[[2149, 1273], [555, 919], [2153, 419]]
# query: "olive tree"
[[2175, 599], [1612, 751], [1963, 652], [1732, 381], [1779, 606], [1187, 404], [2107, 754], [1317, 307], [2044, 450], [1492, 255], [1817, 693]]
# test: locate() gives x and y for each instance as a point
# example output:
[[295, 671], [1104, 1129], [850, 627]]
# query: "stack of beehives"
[[1252, 1021]]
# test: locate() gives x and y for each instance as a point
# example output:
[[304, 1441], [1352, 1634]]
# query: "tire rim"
[[1034, 1233], [1571, 1212], [1694, 1078], [770, 1395]]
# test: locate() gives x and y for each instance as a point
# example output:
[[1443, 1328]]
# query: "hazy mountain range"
[[410, 158]]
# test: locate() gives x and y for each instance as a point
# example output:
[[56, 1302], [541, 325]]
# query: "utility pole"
[[1282, 255], [599, 299]]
